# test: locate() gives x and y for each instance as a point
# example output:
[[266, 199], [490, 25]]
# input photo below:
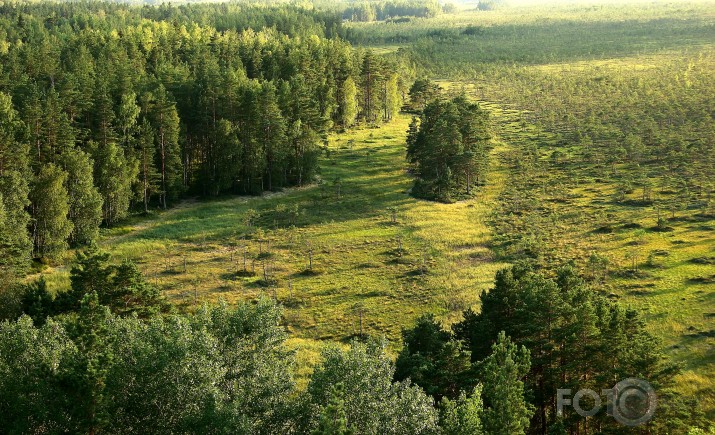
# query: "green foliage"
[[333, 419], [373, 403], [113, 175], [463, 415], [15, 244], [85, 202], [219, 370], [122, 288], [382, 10], [349, 106], [569, 330], [167, 101], [422, 92], [433, 361]]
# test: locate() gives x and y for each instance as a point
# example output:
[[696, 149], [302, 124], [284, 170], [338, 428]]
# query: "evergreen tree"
[[273, 130], [371, 85], [421, 93], [506, 410], [50, 206], [333, 420], [432, 360], [166, 126], [57, 134], [86, 375], [85, 202], [15, 243], [148, 175], [449, 148]]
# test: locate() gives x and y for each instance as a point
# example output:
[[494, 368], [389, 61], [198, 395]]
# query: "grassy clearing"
[[380, 258], [665, 274]]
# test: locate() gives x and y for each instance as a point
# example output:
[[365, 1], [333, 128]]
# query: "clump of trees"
[[108, 356], [533, 335], [448, 147]]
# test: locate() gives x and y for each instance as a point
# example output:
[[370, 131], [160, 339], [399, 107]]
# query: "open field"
[[665, 274], [370, 270], [560, 69], [430, 258]]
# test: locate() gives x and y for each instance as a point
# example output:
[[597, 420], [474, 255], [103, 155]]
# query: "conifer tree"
[[506, 411], [273, 130], [166, 126], [50, 206], [333, 420], [85, 202]]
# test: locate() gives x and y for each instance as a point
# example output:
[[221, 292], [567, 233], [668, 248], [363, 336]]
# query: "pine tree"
[[506, 410], [85, 202], [89, 373], [57, 132], [165, 120], [103, 114], [432, 360], [333, 420], [448, 148], [272, 130], [371, 85], [148, 175], [50, 205]]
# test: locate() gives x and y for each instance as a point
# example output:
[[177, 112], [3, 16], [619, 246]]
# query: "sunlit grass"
[[431, 258]]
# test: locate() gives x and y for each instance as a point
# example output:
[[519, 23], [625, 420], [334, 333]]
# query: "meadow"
[[576, 72], [377, 253], [355, 254]]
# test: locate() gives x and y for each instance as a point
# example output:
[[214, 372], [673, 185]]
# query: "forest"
[[378, 217]]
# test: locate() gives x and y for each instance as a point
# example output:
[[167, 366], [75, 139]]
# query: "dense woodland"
[[111, 112]]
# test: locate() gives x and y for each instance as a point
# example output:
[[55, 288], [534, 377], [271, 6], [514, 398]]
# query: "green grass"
[[445, 261], [358, 265], [674, 291]]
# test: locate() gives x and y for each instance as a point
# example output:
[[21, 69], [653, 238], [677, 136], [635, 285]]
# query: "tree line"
[[382, 10], [108, 109]]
